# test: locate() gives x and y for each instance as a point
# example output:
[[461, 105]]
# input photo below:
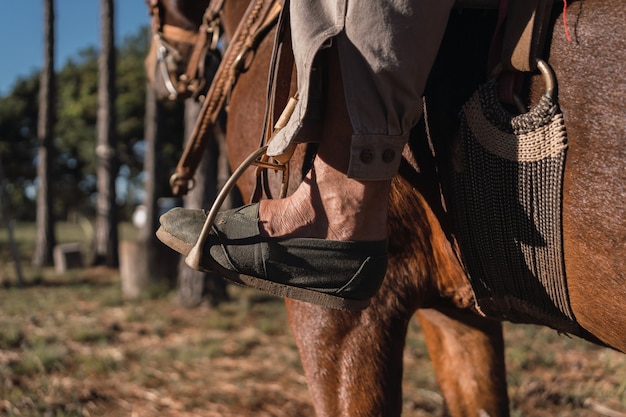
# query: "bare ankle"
[[329, 205]]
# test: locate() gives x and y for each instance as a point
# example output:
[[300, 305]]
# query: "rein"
[[204, 41], [259, 18]]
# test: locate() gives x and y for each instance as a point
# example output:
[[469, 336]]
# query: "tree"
[[45, 239], [19, 146], [106, 244], [153, 171], [147, 267], [194, 287], [76, 112]]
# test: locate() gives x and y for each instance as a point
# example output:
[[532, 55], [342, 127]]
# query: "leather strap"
[[258, 18], [208, 36], [525, 33], [204, 40], [177, 34], [282, 71]]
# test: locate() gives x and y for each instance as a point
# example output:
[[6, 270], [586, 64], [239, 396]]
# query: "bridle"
[[204, 43], [258, 20]]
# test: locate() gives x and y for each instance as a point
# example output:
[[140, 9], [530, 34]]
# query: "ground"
[[70, 346]]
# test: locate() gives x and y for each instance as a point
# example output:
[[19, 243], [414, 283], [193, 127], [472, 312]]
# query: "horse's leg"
[[352, 360], [467, 352]]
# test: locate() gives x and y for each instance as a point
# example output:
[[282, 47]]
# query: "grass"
[[65, 232], [70, 346]]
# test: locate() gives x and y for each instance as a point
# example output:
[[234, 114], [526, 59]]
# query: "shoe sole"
[[274, 288]]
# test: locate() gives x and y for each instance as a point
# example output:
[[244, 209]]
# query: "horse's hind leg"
[[467, 352]]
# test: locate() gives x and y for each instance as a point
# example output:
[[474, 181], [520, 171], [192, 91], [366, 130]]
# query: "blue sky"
[[77, 27]]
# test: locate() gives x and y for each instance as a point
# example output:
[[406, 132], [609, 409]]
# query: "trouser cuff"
[[375, 157]]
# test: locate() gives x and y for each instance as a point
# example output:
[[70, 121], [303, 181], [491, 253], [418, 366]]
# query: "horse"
[[353, 360]]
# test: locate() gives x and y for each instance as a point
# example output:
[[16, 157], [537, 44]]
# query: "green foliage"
[[74, 183], [18, 141]]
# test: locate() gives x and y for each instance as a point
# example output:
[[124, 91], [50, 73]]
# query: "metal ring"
[[214, 30], [240, 64], [176, 178], [548, 76]]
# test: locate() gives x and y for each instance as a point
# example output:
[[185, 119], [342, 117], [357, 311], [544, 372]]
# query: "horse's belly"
[[591, 93]]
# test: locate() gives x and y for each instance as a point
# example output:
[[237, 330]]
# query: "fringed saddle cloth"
[[505, 202]]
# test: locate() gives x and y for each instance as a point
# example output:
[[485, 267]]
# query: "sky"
[[76, 27]]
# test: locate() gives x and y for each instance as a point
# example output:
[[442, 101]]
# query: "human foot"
[[329, 205], [325, 244], [330, 273]]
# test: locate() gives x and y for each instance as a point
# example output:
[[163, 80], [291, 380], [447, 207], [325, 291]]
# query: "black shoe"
[[334, 274]]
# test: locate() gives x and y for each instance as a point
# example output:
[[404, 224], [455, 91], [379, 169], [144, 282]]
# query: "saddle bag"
[[506, 204]]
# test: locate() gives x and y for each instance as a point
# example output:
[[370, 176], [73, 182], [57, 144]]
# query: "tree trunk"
[[152, 165], [45, 240], [197, 287], [148, 267], [106, 244], [4, 206]]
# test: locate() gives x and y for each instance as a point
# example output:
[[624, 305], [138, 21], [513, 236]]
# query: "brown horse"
[[353, 360]]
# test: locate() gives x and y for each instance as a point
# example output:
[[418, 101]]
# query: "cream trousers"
[[386, 50]]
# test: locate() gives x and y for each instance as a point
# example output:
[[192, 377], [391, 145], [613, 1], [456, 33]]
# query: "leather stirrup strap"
[[525, 33], [258, 15], [282, 72]]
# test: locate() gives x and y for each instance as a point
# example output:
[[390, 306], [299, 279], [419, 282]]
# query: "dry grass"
[[77, 350], [69, 346]]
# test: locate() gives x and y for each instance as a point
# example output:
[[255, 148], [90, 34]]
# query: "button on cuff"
[[375, 157]]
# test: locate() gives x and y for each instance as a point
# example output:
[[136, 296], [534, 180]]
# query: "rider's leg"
[[329, 204], [326, 243]]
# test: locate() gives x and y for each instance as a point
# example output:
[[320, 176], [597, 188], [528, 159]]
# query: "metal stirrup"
[[280, 163]]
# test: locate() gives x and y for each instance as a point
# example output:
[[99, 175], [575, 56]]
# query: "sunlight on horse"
[[353, 360]]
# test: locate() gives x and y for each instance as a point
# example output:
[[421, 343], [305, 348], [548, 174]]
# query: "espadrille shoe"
[[334, 274]]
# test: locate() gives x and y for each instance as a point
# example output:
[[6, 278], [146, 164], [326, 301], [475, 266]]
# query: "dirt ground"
[[74, 348]]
